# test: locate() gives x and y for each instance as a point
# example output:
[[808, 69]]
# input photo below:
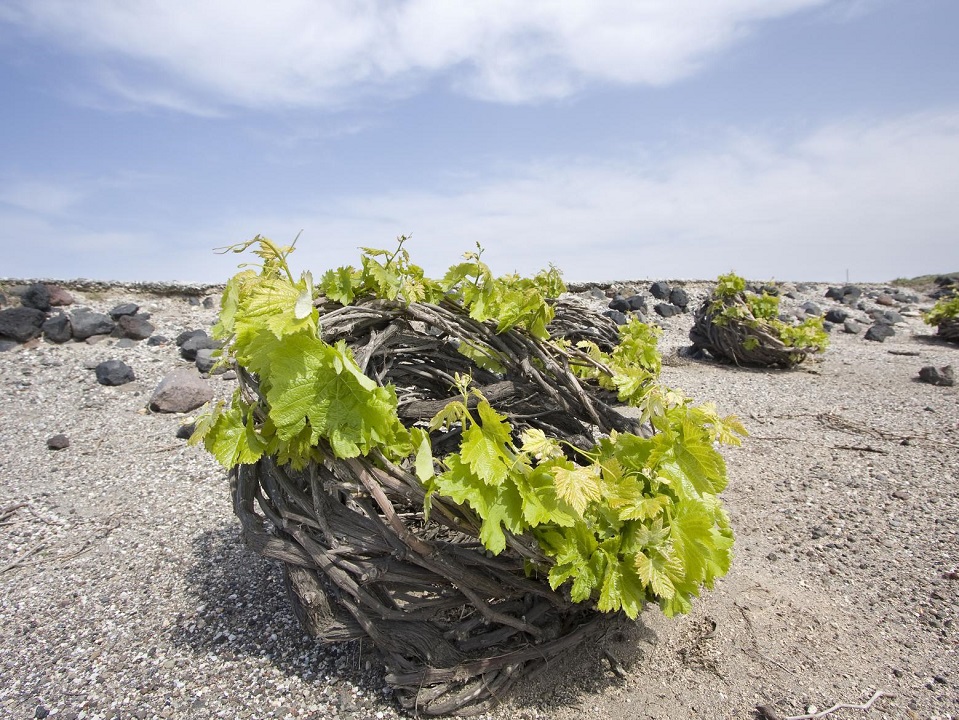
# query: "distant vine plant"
[[945, 315], [763, 308], [744, 327], [630, 520]]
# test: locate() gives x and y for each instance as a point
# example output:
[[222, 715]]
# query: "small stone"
[[21, 323], [58, 442], [944, 376], [617, 317], [36, 296], [57, 328], [114, 372], [124, 309], [156, 340], [40, 712], [619, 304], [836, 315], [59, 296], [772, 557], [185, 431], [851, 326], [188, 349], [87, 323], [206, 362], [667, 310], [660, 290], [878, 333], [135, 327], [900, 494], [180, 391], [186, 335], [679, 298], [811, 308]]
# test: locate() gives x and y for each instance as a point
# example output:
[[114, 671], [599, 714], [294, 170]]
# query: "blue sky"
[[782, 139]]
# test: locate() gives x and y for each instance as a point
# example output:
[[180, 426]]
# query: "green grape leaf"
[[339, 285], [691, 534], [651, 571], [424, 455], [505, 509], [537, 445], [234, 441], [486, 447], [577, 485], [541, 504]]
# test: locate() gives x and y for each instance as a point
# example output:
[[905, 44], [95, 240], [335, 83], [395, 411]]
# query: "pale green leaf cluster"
[[631, 520], [944, 309], [634, 520], [761, 311], [509, 301], [313, 390]]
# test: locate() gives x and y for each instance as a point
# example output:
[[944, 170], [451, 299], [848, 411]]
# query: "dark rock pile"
[[41, 314], [673, 301]]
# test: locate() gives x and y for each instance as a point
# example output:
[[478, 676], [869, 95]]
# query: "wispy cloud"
[[188, 55], [874, 198], [44, 197]]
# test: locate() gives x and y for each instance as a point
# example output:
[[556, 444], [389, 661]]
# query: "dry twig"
[[768, 714]]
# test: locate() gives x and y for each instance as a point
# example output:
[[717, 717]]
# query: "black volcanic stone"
[[189, 349], [114, 372], [124, 309], [87, 323], [58, 442], [57, 328], [36, 296], [679, 298], [944, 376], [186, 335], [878, 333], [667, 310], [616, 316], [660, 290], [21, 323], [836, 315], [134, 327]]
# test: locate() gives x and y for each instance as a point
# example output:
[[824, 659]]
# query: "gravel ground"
[[125, 592]]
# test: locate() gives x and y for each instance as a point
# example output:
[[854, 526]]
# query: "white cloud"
[[877, 199], [185, 54], [874, 198]]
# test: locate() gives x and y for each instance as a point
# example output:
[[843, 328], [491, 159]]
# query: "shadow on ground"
[[245, 612]]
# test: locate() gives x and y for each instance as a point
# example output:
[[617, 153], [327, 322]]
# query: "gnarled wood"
[[454, 625]]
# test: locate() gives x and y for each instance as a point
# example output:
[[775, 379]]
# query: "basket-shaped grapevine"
[[945, 316], [743, 327], [440, 475]]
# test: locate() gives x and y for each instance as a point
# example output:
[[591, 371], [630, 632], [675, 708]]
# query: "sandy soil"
[[125, 592]]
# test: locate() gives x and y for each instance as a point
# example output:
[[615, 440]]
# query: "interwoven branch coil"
[[949, 330], [455, 625], [745, 341]]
